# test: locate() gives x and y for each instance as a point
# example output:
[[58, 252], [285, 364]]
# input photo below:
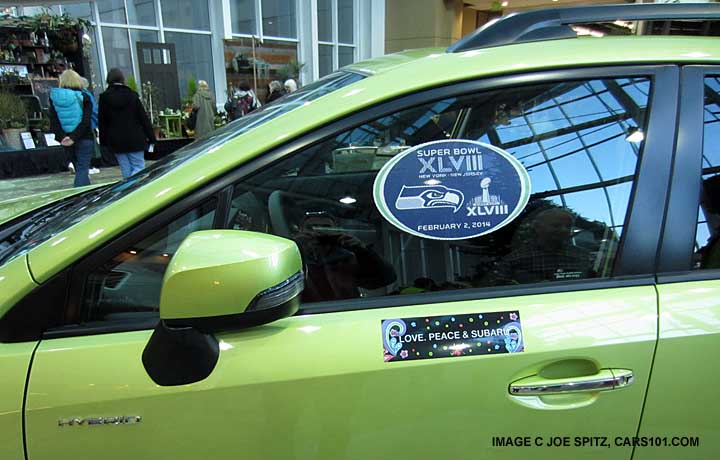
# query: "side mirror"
[[219, 280], [230, 279]]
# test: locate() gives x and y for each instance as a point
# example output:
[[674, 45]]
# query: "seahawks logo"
[[432, 196]]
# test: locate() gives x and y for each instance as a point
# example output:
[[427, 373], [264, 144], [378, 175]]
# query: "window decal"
[[451, 336], [451, 189]]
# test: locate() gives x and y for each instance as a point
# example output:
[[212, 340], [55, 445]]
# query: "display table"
[[172, 125], [167, 146], [42, 160], [49, 160]]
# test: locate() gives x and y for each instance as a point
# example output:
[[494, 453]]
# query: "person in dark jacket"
[[275, 91], [124, 126], [70, 120]]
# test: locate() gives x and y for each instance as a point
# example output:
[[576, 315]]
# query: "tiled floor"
[[24, 186]]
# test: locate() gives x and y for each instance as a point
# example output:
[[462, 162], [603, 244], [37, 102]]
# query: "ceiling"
[[515, 5]]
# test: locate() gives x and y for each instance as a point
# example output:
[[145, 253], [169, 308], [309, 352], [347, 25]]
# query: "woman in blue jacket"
[[70, 120]]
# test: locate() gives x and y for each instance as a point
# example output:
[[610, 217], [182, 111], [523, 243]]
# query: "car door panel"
[[682, 392], [15, 361], [316, 386]]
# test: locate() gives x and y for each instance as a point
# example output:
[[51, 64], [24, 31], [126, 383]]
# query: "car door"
[[377, 363], [682, 398]]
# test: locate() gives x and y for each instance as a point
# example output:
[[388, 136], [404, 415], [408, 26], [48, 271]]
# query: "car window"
[[98, 199], [579, 142], [707, 238], [127, 286]]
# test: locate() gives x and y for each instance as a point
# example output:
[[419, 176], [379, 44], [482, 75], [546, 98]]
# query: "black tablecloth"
[[48, 160], [42, 160]]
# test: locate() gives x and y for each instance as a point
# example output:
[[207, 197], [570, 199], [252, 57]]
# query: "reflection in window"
[[194, 58], [117, 49], [271, 61], [324, 17], [707, 238], [112, 11], [242, 13], [325, 59], [345, 21], [127, 287], [279, 18], [571, 137], [185, 14], [141, 12]]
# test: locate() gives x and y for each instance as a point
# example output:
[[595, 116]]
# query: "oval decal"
[[451, 189]]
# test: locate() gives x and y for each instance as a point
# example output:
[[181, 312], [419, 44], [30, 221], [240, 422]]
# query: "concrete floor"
[[24, 186]]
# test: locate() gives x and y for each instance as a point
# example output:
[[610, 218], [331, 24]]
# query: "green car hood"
[[11, 209]]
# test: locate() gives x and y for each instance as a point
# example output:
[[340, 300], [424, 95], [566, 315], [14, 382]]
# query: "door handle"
[[604, 380]]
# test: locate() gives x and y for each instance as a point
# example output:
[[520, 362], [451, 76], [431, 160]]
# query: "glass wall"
[[119, 25], [284, 44], [274, 55], [193, 56], [336, 34]]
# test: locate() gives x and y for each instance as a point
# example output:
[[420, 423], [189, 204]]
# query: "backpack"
[[245, 104], [94, 115]]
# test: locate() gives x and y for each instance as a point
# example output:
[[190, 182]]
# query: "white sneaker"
[[71, 167], [93, 171]]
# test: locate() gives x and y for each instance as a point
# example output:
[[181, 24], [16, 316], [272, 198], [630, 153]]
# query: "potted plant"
[[13, 119]]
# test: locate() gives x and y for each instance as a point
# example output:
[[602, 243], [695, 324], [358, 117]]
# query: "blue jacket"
[[94, 116], [68, 105]]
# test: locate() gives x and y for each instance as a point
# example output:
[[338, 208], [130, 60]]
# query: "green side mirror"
[[222, 279]]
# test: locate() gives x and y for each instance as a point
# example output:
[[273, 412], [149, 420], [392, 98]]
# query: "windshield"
[[92, 202]]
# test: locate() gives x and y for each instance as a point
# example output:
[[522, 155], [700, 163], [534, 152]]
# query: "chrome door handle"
[[604, 380]]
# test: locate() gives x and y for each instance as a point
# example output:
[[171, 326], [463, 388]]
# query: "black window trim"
[[678, 239], [635, 270]]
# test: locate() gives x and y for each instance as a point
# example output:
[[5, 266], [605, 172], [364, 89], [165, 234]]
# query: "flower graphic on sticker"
[[513, 317], [392, 331], [404, 354]]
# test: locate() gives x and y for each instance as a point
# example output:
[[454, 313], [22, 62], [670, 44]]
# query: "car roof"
[[390, 77]]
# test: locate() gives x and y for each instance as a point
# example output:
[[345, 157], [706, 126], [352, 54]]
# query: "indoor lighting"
[[505, 3], [347, 200], [635, 135]]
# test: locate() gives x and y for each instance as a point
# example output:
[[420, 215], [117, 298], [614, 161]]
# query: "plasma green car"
[[506, 249]]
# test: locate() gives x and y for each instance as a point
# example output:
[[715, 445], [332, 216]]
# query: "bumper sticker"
[[451, 189], [451, 336]]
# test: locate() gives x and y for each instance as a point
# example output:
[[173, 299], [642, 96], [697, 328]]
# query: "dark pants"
[[82, 151]]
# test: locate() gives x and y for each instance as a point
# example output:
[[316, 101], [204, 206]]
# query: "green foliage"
[[191, 90], [12, 111], [291, 70], [131, 83]]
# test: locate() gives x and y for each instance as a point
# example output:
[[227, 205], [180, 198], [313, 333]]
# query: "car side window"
[[707, 236], [127, 286], [578, 140]]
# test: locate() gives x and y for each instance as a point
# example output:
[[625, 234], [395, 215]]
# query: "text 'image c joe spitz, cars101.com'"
[[501, 249]]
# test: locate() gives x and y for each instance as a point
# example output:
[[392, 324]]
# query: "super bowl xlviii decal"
[[451, 189], [450, 336]]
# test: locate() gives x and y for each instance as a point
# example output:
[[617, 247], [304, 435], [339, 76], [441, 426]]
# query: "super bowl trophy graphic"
[[485, 185]]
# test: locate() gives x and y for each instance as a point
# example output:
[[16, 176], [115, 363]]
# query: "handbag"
[[192, 120]]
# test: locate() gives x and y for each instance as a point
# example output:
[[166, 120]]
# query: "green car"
[[506, 249]]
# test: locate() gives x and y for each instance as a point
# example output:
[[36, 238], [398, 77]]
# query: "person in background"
[[275, 91], [93, 118], [290, 86], [204, 103], [70, 120], [124, 126]]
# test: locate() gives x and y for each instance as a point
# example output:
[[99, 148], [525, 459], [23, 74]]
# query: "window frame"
[[641, 228], [678, 241]]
